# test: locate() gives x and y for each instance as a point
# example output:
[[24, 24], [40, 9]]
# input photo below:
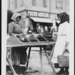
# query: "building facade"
[[47, 8], [58, 6]]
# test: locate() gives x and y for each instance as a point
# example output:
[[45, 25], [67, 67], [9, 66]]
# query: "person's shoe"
[[66, 70], [65, 73], [60, 72], [56, 65]]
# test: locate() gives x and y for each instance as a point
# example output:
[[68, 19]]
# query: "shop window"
[[34, 2], [44, 3], [59, 4]]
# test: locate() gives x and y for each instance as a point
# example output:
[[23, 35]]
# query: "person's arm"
[[10, 28], [67, 31], [61, 30]]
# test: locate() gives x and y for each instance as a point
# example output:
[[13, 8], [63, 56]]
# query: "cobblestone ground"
[[34, 67]]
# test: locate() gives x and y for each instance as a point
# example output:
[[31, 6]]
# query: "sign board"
[[38, 14], [43, 14], [31, 13]]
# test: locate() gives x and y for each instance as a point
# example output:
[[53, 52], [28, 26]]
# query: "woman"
[[28, 25], [63, 39], [19, 55]]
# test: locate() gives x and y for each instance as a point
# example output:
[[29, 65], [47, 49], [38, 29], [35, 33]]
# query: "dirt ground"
[[34, 67]]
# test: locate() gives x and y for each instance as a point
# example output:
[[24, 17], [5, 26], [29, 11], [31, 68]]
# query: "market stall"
[[31, 40], [40, 36]]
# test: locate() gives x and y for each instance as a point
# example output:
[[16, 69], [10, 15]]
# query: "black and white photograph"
[[37, 37]]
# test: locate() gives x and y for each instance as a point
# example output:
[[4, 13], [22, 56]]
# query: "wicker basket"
[[63, 61]]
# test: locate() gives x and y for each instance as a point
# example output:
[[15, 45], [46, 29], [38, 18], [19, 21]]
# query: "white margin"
[[3, 37], [71, 37]]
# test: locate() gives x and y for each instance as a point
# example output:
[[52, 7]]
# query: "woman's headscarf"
[[15, 15], [63, 17]]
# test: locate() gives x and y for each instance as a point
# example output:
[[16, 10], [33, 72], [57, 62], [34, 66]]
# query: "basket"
[[63, 61]]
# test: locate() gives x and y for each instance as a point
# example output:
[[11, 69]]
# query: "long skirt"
[[19, 55], [59, 48]]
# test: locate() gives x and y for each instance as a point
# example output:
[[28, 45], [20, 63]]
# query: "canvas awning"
[[44, 20]]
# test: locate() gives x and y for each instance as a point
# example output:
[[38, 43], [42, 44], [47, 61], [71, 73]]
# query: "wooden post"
[[28, 57], [41, 60], [50, 62]]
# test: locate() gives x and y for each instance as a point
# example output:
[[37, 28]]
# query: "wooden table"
[[14, 42]]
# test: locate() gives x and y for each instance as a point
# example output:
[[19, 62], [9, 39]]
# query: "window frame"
[[34, 2], [59, 2], [15, 4], [22, 3], [44, 3]]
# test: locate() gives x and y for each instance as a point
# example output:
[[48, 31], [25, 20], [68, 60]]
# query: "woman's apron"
[[63, 35], [59, 48]]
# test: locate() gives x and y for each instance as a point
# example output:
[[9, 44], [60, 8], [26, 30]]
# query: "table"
[[14, 42]]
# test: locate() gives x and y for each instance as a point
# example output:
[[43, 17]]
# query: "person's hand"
[[66, 52]]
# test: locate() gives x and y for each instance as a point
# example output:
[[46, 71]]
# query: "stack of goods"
[[32, 38], [23, 39], [41, 38], [49, 38]]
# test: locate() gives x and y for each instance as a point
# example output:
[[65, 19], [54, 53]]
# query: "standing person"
[[38, 28], [19, 55], [54, 27], [28, 25], [57, 25], [63, 39]]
